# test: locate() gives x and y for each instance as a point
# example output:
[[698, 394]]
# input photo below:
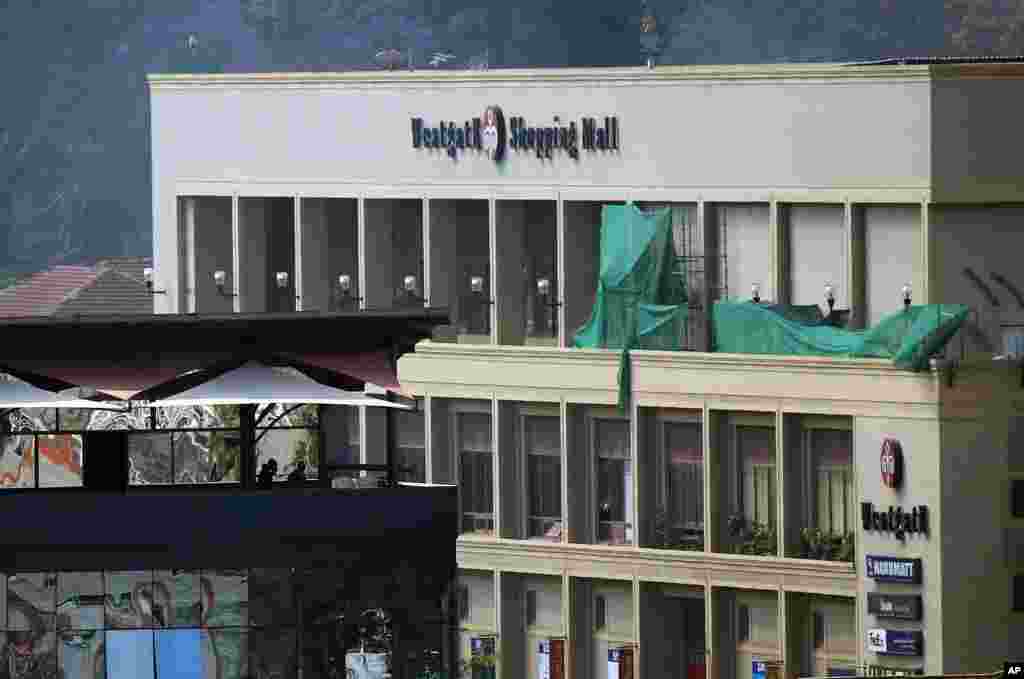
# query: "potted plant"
[[755, 538], [669, 536], [827, 546]]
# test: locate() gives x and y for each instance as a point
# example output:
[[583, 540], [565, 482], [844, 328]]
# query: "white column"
[[236, 255], [190, 255]]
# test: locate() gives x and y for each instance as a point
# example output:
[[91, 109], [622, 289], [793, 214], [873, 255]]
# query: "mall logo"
[[491, 134], [891, 463]]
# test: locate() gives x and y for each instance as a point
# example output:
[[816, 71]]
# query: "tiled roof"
[[113, 286], [42, 293]]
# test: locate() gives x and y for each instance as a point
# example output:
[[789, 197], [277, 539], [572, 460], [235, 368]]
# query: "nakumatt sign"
[[495, 135]]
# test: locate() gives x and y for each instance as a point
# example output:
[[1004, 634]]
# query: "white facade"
[[788, 177]]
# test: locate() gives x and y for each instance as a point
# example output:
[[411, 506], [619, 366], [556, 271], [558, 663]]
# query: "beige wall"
[[922, 486], [818, 254]]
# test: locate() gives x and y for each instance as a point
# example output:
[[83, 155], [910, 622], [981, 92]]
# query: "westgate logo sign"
[[492, 135], [895, 521], [891, 462]]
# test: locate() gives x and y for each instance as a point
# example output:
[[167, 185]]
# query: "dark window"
[[1017, 498], [1018, 592]]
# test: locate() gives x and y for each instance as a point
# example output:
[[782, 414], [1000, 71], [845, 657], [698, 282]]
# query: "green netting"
[[641, 301], [908, 337]]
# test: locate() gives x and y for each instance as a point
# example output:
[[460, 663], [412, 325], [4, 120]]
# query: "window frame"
[[594, 415], [421, 410], [809, 425], [739, 421], [529, 410], [456, 408], [664, 420]]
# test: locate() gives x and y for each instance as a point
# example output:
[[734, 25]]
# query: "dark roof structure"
[[108, 286]]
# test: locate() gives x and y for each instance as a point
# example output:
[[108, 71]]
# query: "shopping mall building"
[[743, 515]]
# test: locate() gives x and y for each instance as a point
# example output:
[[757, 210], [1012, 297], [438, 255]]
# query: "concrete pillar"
[[379, 290], [510, 470], [581, 263], [312, 273], [648, 476], [250, 281], [779, 251], [188, 259]]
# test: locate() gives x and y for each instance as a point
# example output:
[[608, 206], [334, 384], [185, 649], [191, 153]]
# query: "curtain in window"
[[757, 455], [542, 435], [832, 451], [476, 471], [685, 476]]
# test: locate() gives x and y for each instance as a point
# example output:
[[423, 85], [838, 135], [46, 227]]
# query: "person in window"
[[265, 479], [298, 474]]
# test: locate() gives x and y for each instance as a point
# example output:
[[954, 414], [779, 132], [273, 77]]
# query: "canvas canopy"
[[254, 383], [15, 394]]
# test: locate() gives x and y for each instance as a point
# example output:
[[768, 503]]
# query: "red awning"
[[375, 367]]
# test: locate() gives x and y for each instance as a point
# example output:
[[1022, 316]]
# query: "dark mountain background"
[[74, 144]]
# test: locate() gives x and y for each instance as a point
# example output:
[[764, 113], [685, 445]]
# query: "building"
[[723, 525], [113, 285]]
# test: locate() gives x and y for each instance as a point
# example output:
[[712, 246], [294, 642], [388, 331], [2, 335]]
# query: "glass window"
[[225, 598], [833, 458], [17, 461], [60, 460], [31, 654], [342, 444], [542, 438], [684, 485], [80, 600], [32, 419], [225, 653], [757, 492], [206, 456], [198, 417], [74, 419], [179, 654], [291, 448], [130, 654], [176, 598], [149, 459], [31, 602], [129, 601], [614, 481], [80, 653], [476, 471], [410, 446]]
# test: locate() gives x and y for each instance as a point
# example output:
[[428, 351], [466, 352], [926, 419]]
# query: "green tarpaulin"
[[641, 304]]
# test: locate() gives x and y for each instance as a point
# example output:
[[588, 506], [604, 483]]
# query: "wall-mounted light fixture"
[[147, 275], [220, 279], [830, 298], [546, 295], [755, 293], [343, 290], [281, 277], [907, 295], [476, 286], [410, 285]]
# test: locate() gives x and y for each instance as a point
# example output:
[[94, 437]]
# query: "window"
[[410, 447], [1017, 498], [1018, 593], [473, 438], [757, 488], [614, 481], [291, 436], [542, 438], [684, 484], [150, 460], [832, 456]]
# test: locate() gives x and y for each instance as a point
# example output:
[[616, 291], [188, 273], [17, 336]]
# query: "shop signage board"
[[895, 642], [893, 569], [896, 521], [897, 606], [494, 135]]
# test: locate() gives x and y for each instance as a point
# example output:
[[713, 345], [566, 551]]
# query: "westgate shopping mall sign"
[[491, 134]]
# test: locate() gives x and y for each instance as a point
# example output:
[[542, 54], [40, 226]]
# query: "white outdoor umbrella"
[[15, 394], [257, 383]]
